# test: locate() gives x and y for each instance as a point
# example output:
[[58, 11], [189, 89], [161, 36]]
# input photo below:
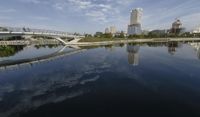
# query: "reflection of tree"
[[108, 46], [157, 44], [12, 38], [121, 44], [172, 47], [45, 46], [6, 51], [133, 54], [198, 53]]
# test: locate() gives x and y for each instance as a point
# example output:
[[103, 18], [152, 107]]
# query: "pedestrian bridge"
[[56, 35]]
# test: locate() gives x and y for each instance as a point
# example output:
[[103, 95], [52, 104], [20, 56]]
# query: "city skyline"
[[90, 16]]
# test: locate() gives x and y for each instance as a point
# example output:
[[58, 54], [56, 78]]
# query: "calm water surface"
[[154, 79]]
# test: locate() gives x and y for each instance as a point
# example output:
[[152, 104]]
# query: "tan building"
[[177, 24], [113, 30], [136, 16], [176, 27]]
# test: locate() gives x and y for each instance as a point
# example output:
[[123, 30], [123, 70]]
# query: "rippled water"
[[150, 79]]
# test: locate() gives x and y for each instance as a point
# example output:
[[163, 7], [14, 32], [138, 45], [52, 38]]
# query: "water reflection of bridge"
[[15, 64]]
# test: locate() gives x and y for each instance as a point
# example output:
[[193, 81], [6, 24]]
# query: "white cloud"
[[59, 6], [191, 21], [31, 1], [100, 11]]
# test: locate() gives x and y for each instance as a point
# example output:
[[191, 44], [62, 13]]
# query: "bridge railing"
[[42, 34]]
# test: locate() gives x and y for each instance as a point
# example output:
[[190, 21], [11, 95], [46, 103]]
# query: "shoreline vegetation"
[[96, 41], [99, 37]]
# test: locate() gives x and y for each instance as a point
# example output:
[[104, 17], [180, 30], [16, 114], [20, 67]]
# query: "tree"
[[107, 35], [98, 34]]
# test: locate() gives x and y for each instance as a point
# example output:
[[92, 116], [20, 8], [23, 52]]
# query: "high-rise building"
[[136, 16], [135, 22]]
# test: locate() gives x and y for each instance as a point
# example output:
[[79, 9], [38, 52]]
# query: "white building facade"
[[197, 30], [135, 22]]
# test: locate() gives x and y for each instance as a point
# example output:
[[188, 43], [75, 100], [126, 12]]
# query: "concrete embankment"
[[19, 42], [45, 42], [29, 42], [136, 41]]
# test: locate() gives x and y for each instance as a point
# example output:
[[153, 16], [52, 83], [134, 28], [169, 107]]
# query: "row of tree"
[[141, 36], [106, 35]]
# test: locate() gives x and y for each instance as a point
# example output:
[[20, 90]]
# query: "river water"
[[149, 79]]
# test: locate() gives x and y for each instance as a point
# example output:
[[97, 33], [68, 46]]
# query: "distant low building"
[[113, 30], [159, 32], [145, 32], [3, 29], [120, 34], [197, 30], [107, 30], [98, 34], [177, 27]]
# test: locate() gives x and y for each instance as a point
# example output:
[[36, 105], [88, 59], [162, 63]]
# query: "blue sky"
[[95, 15]]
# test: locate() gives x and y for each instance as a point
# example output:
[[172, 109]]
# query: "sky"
[[89, 16]]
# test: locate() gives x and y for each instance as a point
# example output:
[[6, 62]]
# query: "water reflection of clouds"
[[43, 86], [196, 47], [68, 77]]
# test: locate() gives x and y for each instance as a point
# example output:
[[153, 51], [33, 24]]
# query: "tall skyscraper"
[[136, 16], [135, 22]]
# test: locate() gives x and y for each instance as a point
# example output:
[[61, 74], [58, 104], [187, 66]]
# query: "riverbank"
[[29, 42], [135, 41], [81, 43]]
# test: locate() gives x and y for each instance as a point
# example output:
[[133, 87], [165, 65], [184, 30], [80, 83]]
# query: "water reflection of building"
[[133, 54], [196, 47], [172, 47]]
